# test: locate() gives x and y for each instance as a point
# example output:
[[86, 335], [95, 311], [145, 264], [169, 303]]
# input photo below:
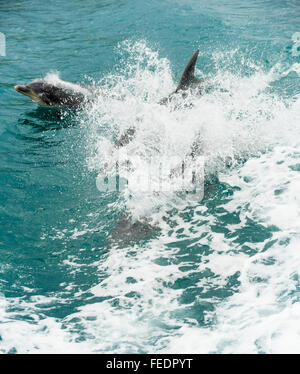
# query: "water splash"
[[233, 121]]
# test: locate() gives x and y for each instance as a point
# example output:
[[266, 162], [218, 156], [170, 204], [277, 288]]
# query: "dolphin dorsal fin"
[[188, 73]]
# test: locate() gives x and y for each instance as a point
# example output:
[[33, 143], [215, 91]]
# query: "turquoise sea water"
[[215, 275]]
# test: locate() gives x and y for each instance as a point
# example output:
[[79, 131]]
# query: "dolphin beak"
[[22, 89]]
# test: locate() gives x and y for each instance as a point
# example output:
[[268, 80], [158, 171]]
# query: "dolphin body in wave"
[[74, 95]]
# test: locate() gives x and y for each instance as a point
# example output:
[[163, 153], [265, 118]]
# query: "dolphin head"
[[47, 94]]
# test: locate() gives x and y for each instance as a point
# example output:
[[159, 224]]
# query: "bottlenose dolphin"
[[67, 94], [75, 95], [62, 94]]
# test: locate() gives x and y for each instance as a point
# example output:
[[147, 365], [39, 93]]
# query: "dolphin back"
[[187, 80], [188, 75]]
